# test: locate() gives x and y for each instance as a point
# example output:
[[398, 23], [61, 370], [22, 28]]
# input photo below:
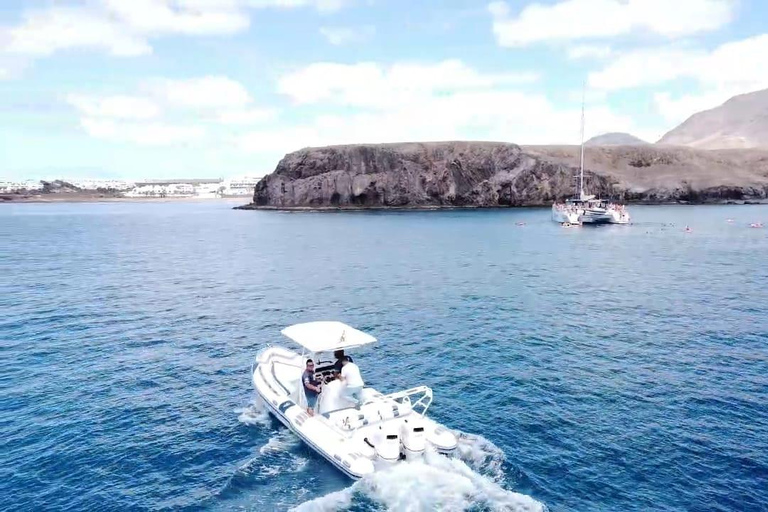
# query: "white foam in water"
[[339, 500], [255, 413], [436, 483], [276, 457], [282, 441], [481, 455]]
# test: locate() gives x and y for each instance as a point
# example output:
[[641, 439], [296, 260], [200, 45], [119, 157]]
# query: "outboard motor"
[[413, 438], [387, 445]]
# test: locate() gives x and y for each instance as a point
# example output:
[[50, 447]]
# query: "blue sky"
[[193, 88]]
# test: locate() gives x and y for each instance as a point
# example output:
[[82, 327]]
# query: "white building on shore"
[[96, 184], [199, 188], [203, 188], [11, 186], [241, 185]]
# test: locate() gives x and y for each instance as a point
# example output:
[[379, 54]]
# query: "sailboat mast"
[[581, 167]]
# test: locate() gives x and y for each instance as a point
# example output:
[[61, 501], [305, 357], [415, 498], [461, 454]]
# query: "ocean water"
[[620, 368]]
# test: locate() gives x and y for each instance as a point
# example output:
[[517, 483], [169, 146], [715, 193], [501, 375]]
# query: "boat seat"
[[354, 419], [393, 409]]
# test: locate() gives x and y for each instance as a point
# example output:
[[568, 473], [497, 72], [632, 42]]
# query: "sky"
[[133, 89]]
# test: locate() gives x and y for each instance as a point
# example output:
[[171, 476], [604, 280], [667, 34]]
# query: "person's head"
[[344, 360], [310, 365], [339, 354]]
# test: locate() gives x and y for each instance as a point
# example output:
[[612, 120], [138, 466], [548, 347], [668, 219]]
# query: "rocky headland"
[[492, 174]]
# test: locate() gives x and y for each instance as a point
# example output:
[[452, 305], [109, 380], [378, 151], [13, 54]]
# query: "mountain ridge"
[[739, 123], [615, 139]]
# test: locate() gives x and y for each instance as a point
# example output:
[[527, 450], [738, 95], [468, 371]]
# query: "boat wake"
[[278, 454], [473, 480], [276, 457], [255, 413]]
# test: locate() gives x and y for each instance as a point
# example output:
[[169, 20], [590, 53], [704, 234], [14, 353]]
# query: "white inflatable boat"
[[358, 440]]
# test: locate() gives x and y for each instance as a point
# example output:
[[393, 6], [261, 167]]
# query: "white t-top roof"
[[327, 336]]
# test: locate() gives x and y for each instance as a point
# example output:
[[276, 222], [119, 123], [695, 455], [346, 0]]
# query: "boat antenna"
[[581, 167]]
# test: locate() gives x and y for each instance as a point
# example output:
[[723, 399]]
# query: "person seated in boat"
[[350, 375], [311, 386]]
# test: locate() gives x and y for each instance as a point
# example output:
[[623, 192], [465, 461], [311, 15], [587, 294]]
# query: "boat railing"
[[419, 398]]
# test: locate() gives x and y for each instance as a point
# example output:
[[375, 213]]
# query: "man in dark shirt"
[[311, 386], [339, 355]]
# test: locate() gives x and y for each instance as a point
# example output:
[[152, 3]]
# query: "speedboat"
[[357, 439]]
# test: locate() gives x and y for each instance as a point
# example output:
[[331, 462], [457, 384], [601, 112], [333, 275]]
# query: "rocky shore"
[[493, 174]]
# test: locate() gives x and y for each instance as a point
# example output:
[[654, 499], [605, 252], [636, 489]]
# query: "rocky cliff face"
[[501, 174]]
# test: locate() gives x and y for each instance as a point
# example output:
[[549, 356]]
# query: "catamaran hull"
[[564, 217], [595, 220]]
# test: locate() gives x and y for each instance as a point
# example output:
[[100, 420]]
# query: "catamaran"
[[356, 439], [587, 209]]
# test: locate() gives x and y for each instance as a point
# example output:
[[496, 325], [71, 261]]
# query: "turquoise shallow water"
[[616, 368]]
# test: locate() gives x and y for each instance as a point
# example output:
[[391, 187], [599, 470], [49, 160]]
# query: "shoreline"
[[56, 198], [251, 206]]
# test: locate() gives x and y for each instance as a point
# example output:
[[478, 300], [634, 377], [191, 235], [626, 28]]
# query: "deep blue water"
[[619, 368]]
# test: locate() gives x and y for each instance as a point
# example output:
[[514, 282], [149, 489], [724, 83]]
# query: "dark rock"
[[487, 174]]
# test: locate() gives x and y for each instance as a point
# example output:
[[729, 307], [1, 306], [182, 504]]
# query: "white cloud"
[[591, 19], [44, 32], [247, 116], [204, 92], [499, 116], [648, 66], [423, 102], [147, 134], [118, 107], [320, 5], [187, 107], [410, 102], [589, 51], [372, 85], [732, 68], [338, 36], [124, 28], [183, 17], [736, 65]]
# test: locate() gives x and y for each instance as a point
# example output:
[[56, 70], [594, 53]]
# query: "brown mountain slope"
[[615, 139], [740, 122]]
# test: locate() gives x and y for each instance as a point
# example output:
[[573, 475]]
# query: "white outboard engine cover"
[[442, 439], [413, 438], [387, 445]]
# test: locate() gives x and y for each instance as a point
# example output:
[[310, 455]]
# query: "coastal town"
[[240, 186]]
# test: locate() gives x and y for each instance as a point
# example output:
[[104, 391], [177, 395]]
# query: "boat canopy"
[[327, 336]]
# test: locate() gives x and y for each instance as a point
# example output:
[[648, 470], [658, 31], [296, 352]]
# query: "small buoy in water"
[[688, 229], [520, 223]]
